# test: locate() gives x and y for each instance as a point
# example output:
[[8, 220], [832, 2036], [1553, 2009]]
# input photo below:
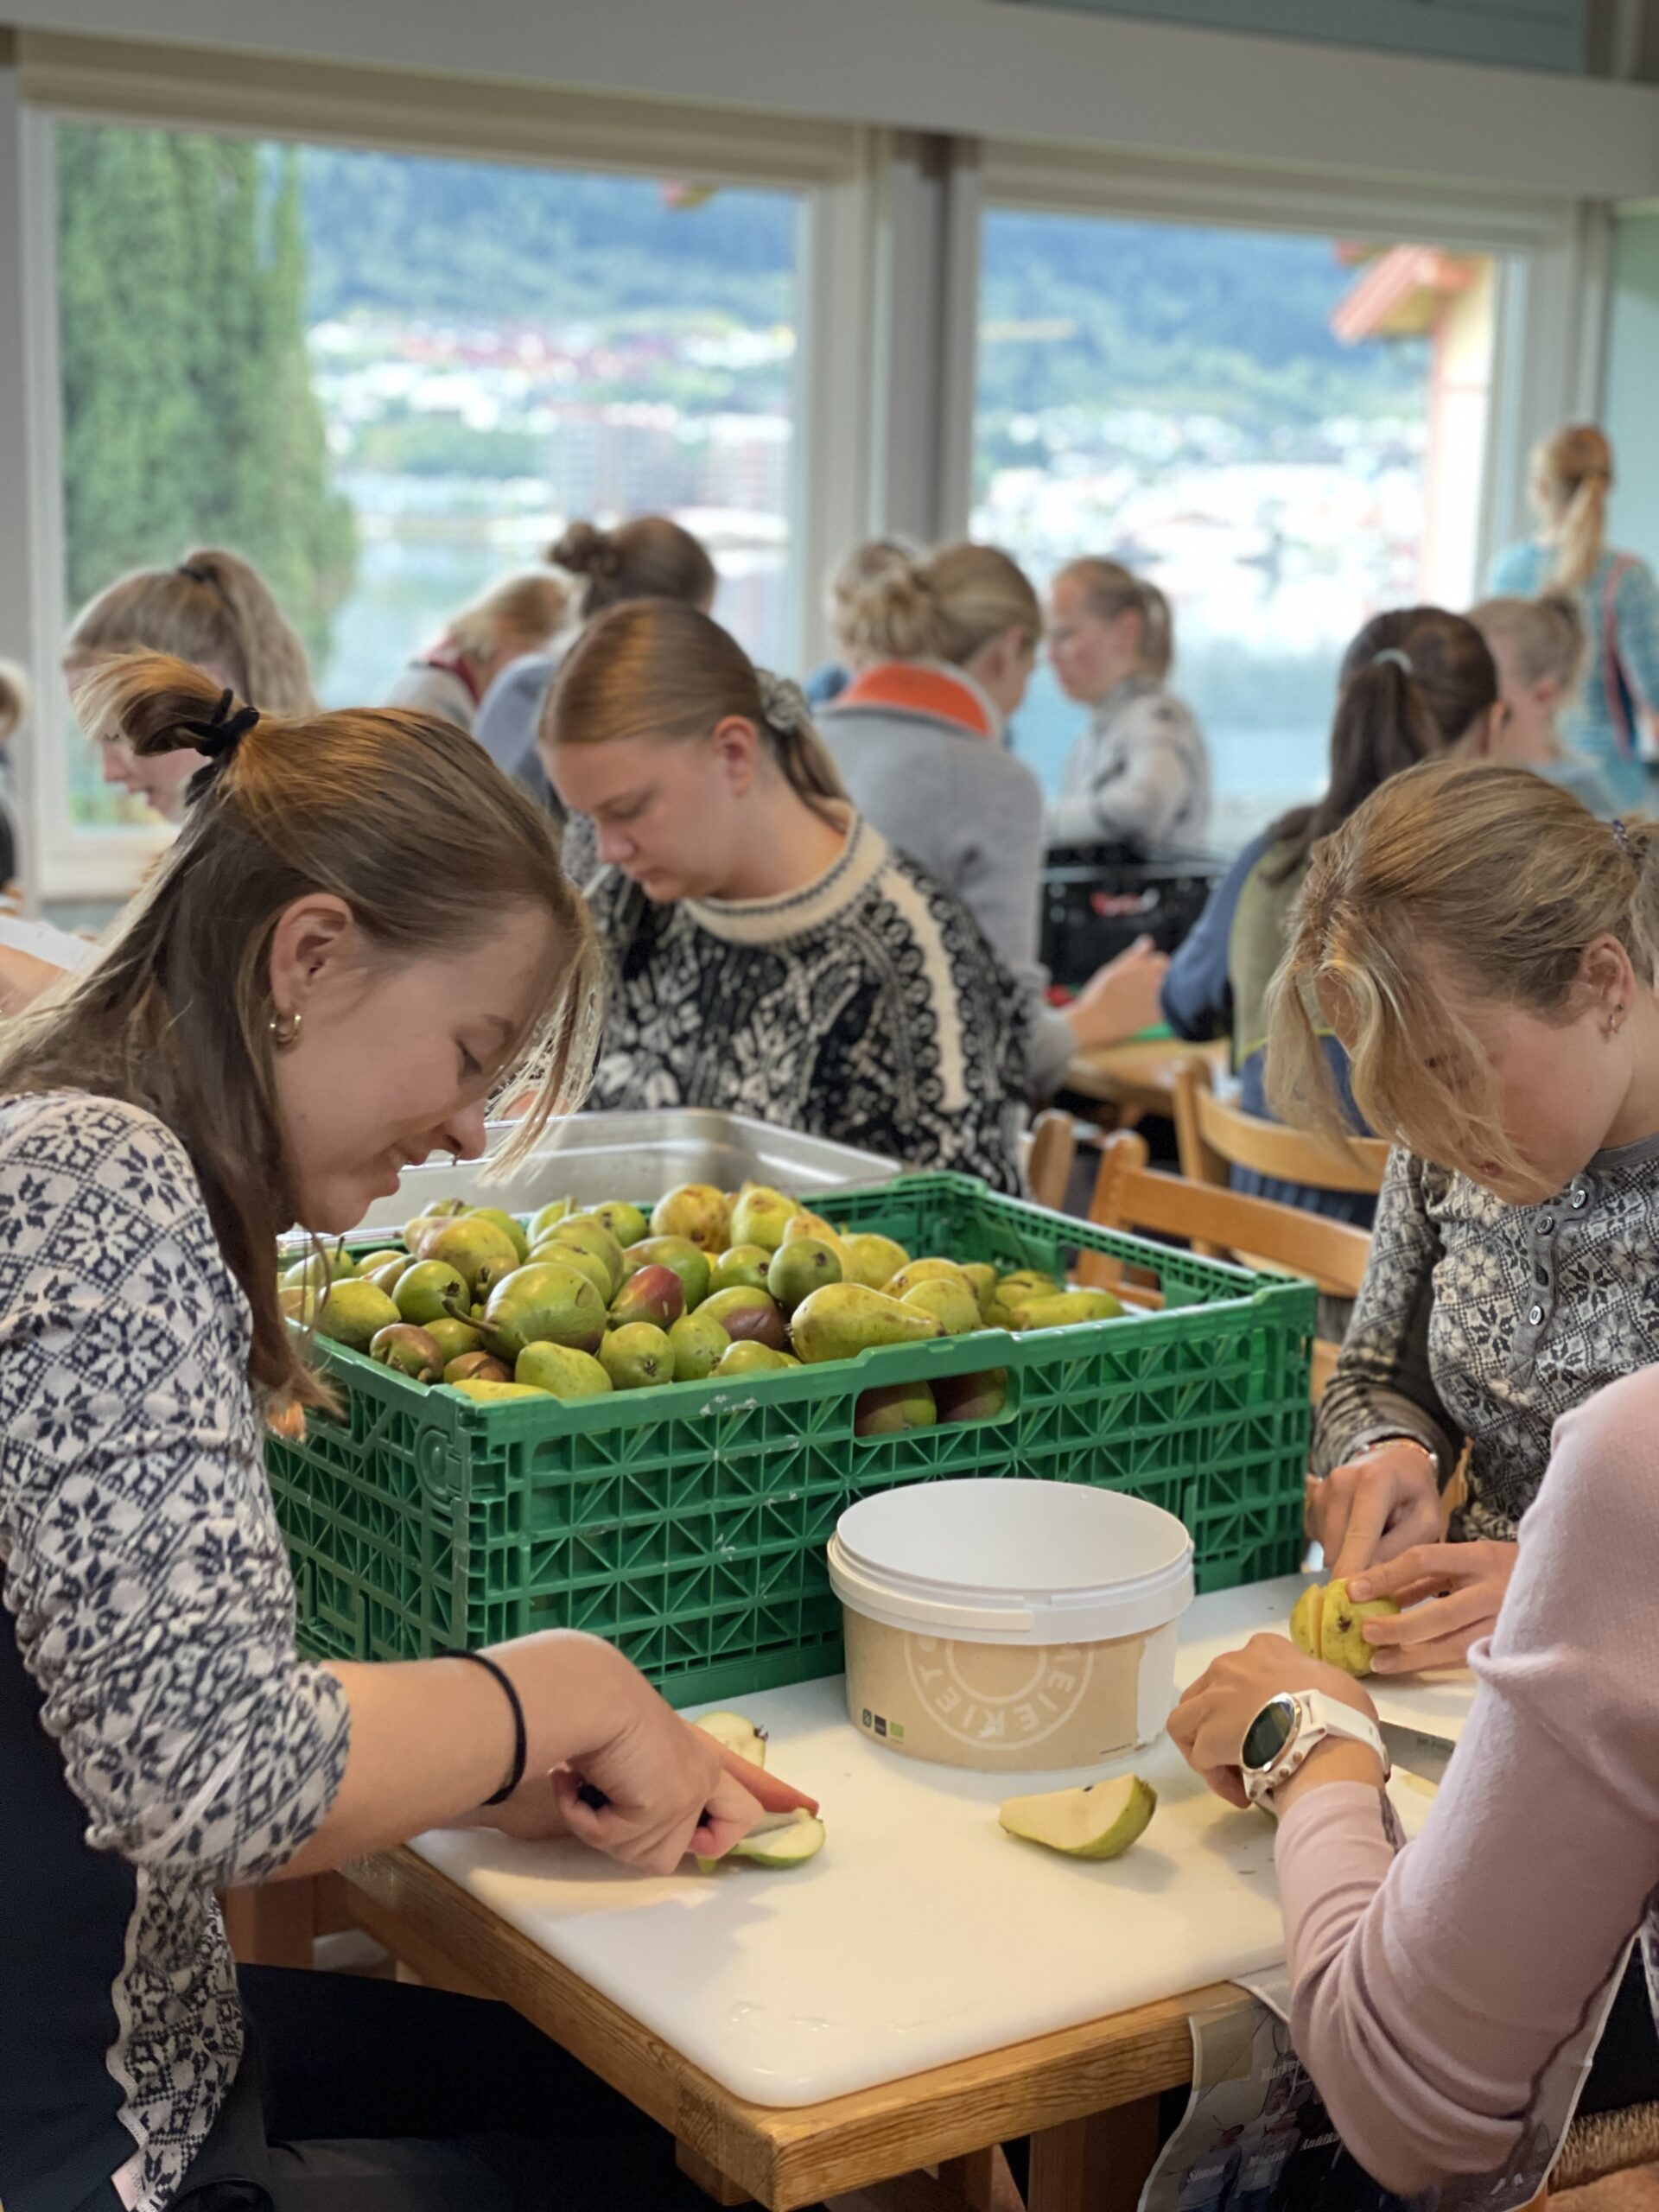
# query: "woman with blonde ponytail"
[[1571, 480], [771, 953]]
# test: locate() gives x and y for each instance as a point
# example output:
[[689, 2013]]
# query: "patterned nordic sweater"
[[866, 1008], [158, 1736], [1490, 1321]]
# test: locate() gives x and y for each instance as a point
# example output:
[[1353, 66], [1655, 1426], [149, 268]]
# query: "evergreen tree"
[[188, 411]]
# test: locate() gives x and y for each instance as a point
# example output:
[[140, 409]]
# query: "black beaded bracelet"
[[520, 1740]]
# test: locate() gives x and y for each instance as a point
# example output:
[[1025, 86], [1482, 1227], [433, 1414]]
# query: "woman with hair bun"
[[212, 609], [1139, 773], [650, 557], [944, 645], [1571, 480], [519, 615], [771, 953]]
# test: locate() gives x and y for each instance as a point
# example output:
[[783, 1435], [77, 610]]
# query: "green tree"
[[188, 407]]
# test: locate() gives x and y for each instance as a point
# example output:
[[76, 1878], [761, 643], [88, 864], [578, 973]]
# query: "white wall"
[[974, 66]]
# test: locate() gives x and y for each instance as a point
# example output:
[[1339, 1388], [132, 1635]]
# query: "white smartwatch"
[[1287, 1731]]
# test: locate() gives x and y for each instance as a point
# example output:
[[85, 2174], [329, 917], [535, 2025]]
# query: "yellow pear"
[[1341, 1623]]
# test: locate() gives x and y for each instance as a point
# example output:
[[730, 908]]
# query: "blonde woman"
[[771, 954], [213, 610], [1483, 951], [1538, 647], [944, 645], [521, 614], [1571, 480], [847, 580], [1139, 773]]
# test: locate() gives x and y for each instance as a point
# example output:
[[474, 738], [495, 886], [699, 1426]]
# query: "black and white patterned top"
[[159, 1738], [866, 1008], [1489, 1321]]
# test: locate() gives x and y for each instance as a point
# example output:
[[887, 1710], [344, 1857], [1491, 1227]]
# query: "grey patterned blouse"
[[159, 1738], [1487, 1321]]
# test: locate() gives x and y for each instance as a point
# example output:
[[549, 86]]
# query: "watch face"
[[1269, 1732]]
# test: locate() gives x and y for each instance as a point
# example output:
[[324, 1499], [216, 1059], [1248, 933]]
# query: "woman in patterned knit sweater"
[[1486, 950], [771, 953], [356, 931]]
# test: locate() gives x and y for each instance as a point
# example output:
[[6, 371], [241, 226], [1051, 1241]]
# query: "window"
[[1285, 434], [389, 379]]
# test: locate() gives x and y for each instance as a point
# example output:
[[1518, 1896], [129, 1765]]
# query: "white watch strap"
[[1320, 1718]]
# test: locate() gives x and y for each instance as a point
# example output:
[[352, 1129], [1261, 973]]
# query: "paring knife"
[[596, 1801], [1416, 1751]]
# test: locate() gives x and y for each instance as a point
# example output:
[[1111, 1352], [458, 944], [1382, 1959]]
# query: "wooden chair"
[[1213, 1137], [1051, 1151], [1129, 1195]]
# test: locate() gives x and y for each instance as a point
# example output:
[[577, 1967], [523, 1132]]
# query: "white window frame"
[[67, 79]]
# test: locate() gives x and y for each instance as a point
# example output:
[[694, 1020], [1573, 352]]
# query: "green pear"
[[1342, 1628], [776, 1841], [429, 1291], [744, 1267], [467, 1245], [654, 1294], [593, 1237], [477, 1367], [871, 1260], [453, 1336], [690, 1264], [561, 1372], [509, 1224], [626, 1222], [845, 1318], [486, 1392], [892, 1407], [493, 1272], [700, 1343], [1067, 1308], [541, 1225], [371, 1261], [972, 1397], [410, 1350], [750, 1358], [983, 1277], [798, 1268], [1023, 1284], [319, 1268], [697, 1212], [1099, 1823], [389, 1273], [951, 1303], [747, 1317], [440, 1209], [637, 1356], [354, 1314], [578, 1256], [924, 1271], [733, 1732], [806, 1223], [760, 1216], [546, 1302]]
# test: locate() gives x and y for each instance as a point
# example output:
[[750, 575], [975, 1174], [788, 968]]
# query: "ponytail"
[[802, 755], [1572, 475], [1109, 590], [213, 610]]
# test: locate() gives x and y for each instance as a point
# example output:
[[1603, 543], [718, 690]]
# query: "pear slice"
[[782, 1839], [1306, 1620], [733, 1733], [1341, 1623], [1099, 1823]]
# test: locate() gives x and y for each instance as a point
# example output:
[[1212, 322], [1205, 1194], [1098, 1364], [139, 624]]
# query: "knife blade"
[[1416, 1751], [596, 1801]]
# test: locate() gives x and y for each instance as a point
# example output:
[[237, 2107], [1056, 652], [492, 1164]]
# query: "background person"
[[860, 566], [770, 953], [1139, 773], [1571, 476], [944, 645], [1538, 645], [519, 615]]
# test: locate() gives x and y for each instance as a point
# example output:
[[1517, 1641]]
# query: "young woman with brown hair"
[[212, 609], [771, 953], [1483, 949], [1415, 682], [1570, 483], [519, 615], [1139, 773], [359, 931]]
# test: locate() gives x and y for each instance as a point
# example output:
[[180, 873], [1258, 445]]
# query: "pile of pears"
[[571, 1304]]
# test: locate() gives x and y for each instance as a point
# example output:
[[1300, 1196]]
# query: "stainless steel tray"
[[596, 1156]]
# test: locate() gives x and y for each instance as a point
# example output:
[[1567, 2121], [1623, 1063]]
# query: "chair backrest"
[[1213, 1137], [1051, 1153]]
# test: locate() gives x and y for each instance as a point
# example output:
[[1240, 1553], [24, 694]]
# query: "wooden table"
[[1087, 2095], [1137, 1079]]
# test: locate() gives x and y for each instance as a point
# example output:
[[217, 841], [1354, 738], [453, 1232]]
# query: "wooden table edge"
[[784, 2156]]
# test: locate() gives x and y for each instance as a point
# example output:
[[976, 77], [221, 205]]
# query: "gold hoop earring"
[[285, 1031]]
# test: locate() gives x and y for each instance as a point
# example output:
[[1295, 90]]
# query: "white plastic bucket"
[[1008, 1624]]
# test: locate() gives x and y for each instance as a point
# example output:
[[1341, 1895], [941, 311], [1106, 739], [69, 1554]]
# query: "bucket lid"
[[991, 1561]]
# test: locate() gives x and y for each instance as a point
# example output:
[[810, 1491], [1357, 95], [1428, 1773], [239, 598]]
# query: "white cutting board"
[[923, 1934]]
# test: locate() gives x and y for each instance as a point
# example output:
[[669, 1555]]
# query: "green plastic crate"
[[688, 1524]]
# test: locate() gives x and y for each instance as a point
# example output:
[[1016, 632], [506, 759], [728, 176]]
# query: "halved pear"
[[733, 1733], [1100, 1821], [783, 1839]]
